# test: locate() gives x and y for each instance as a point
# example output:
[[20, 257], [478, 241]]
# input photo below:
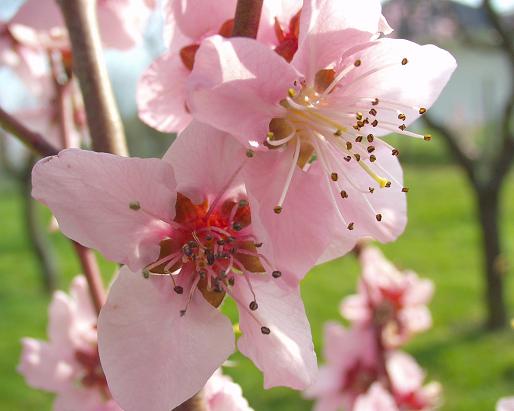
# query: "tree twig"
[[34, 141], [103, 117], [92, 273], [247, 18]]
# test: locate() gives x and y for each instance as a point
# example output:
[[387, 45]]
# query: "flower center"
[[213, 243], [359, 378]]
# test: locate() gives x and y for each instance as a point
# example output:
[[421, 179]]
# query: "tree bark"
[[494, 266]]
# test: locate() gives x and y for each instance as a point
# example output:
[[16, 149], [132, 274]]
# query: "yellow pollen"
[[427, 137], [291, 92], [277, 210], [382, 182], [270, 134]]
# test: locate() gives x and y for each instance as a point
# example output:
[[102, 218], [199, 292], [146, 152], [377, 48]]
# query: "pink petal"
[[122, 22], [283, 11], [41, 15], [376, 399], [114, 204], [222, 394], [77, 398], [196, 19], [61, 323], [161, 94], [383, 75], [326, 384], [236, 85], [295, 247], [355, 308], [328, 28], [329, 403], [416, 319], [285, 356], [505, 404], [44, 367], [154, 358], [206, 158], [419, 291], [405, 373]]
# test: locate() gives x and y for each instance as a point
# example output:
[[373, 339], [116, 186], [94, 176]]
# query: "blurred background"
[[461, 216]]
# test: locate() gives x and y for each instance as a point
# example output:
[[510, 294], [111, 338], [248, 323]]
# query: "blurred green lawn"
[[441, 243]]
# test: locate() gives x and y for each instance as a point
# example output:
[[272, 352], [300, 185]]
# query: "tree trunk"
[[488, 210], [35, 234]]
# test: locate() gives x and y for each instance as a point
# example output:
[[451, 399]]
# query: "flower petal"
[[207, 158], [236, 85], [382, 74], [505, 404], [328, 28], [114, 204], [295, 247], [161, 94], [376, 399], [405, 373], [286, 355], [154, 358]]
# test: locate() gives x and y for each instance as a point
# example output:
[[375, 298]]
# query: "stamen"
[[296, 155]]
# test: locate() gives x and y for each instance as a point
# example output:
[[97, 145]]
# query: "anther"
[[231, 281], [405, 189], [182, 313], [349, 145], [208, 237], [258, 245], [387, 184], [371, 149], [427, 137], [373, 112], [371, 190], [422, 110], [135, 205], [291, 92], [210, 258], [402, 127], [375, 102], [178, 289], [358, 116], [202, 273], [358, 139], [146, 274], [334, 176], [270, 134], [253, 305], [338, 133], [372, 158], [276, 274], [220, 242], [375, 123], [277, 210], [265, 330], [249, 153], [379, 217], [187, 250], [351, 226], [344, 194], [348, 158], [402, 117], [357, 156], [404, 61], [370, 138], [242, 203], [237, 226], [357, 63], [395, 152]]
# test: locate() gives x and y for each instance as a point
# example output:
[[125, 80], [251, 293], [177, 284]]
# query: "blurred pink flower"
[[350, 369], [222, 394], [68, 364], [195, 226], [324, 110], [407, 379], [376, 399], [395, 301], [122, 22], [505, 404]]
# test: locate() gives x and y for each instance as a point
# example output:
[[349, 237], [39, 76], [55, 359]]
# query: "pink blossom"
[[376, 399], [342, 90], [162, 88], [351, 368], [68, 364], [388, 298], [122, 22], [192, 231], [223, 394], [407, 379], [505, 404]]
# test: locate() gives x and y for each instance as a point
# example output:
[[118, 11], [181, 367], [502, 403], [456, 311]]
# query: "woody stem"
[[247, 18]]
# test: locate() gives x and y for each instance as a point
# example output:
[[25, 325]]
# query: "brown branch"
[[506, 37], [454, 146], [103, 117], [34, 141], [92, 272], [247, 18]]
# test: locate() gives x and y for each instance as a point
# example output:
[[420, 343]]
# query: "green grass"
[[442, 242]]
